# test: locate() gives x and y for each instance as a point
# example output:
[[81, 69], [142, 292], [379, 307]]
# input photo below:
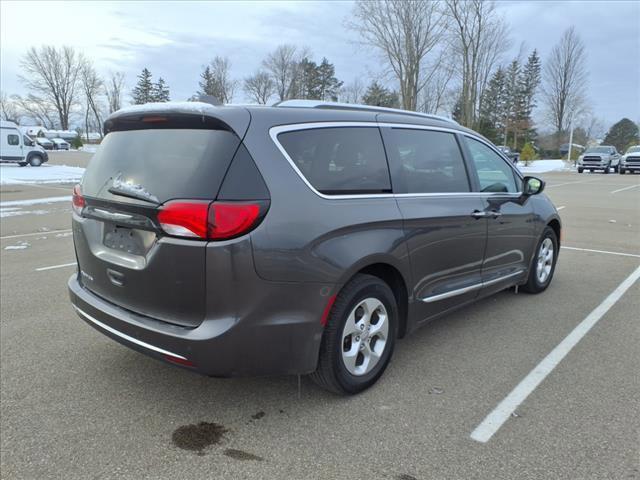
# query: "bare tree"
[[282, 65], [113, 89], [8, 109], [565, 80], [38, 110], [437, 95], [51, 74], [92, 87], [353, 92], [478, 39], [405, 33], [217, 81], [259, 87]]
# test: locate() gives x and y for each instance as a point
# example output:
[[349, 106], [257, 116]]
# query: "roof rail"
[[356, 106]]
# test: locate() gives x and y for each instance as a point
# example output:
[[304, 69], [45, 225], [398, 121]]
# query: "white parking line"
[[48, 232], [42, 269], [492, 423], [602, 251], [625, 188], [560, 208]]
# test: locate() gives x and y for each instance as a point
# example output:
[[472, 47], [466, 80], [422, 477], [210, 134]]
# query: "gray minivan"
[[303, 238]]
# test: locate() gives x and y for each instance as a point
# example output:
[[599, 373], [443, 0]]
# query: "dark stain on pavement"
[[258, 416], [198, 437]]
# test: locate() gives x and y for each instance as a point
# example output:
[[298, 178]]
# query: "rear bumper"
[[285, 344]]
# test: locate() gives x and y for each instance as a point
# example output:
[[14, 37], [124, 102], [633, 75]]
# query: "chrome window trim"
[[277, 130], [126, 337], [470, 288]]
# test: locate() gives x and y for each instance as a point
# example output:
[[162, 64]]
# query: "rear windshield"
[[158, 165], [341, 160]]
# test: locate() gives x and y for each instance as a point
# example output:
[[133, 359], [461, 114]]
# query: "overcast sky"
[[175, 39]]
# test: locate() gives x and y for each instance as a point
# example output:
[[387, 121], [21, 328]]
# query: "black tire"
[[580, 170], [22, 164], [606, 170], [35, 161], [622, 171], [534, 285], [331, 373], [616, 169]]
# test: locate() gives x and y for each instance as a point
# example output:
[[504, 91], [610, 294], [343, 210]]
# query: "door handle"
[[485, 214], [479, 214]]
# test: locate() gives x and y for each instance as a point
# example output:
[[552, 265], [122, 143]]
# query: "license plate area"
[[124, 239]]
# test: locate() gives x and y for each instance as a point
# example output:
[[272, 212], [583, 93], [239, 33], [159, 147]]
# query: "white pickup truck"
[[18, 148]]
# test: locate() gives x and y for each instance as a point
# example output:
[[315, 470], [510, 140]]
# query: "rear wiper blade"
[[132, 194], [131, 190]]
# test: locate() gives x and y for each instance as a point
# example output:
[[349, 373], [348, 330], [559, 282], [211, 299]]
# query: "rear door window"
[[160, 164], [428, 161], [341, 160]]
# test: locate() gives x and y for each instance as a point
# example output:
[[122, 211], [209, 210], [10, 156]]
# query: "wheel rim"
[[364, 337], [36, 161], [545, 260]]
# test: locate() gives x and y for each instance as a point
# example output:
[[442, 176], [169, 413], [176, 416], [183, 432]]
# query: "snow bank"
[[13, 174], [541, 166]]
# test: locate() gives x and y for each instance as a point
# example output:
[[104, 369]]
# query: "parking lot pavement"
[[75, 404], [72, 158]]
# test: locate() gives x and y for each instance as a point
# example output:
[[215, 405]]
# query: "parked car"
[[44, 143], [630, 161], [18, 148], [603, 157], [513, 156], [60, 144], [303, 238]]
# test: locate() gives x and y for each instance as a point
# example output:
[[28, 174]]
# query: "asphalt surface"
[[74, 404]]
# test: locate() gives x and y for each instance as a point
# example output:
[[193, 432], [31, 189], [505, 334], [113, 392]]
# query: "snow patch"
[[542, 166], [15, 175], [19, 246], [133, 189], [66, 234], [16, 212], [200, 108], [35, 201]]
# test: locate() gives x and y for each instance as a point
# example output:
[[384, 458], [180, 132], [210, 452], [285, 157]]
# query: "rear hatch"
[[148, 170]]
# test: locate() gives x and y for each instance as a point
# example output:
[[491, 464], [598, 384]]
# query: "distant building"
[[36, 131]]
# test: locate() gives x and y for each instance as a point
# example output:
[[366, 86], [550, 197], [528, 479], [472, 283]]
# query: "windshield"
[[633, 149], [159, 164], [599, 150]]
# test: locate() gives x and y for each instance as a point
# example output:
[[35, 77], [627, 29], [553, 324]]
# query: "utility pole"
[[570, 141]]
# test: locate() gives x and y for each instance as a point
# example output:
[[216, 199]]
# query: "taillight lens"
[[185, 218], [77, 200], [208, 221], [228, 220]]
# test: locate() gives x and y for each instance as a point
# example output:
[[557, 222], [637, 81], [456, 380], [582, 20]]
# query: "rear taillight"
[[228, 220], [77, 200], [185, 218], [209, 221]]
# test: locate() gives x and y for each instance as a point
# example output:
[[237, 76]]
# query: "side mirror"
[[532, 186]]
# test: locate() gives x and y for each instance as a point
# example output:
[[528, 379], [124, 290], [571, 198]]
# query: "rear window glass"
[[341, 160], [160, 165]]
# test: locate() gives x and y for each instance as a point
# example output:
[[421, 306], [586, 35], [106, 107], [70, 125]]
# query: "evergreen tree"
[[529, 84], [513, 100], [306, 82], [161, 91], [381, 96], [328, 84], [622, 135], [143, 92], [207, 83], [495, 108]]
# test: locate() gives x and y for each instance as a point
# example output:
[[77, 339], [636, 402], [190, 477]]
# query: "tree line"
[[435, 56]]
